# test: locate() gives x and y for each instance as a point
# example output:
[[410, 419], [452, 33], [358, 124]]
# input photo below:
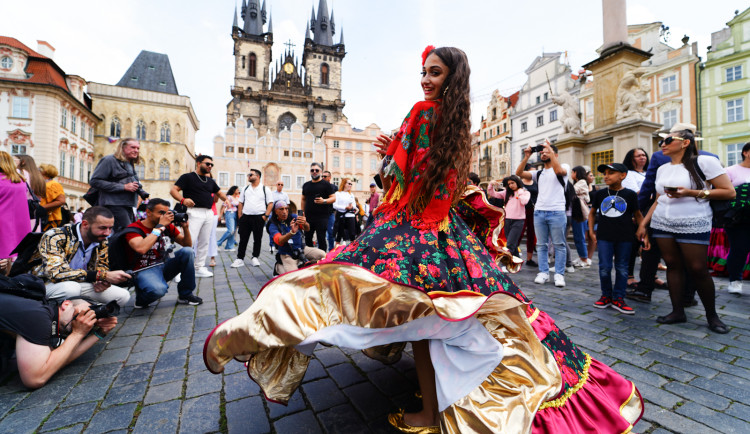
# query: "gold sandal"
[[397, 420]]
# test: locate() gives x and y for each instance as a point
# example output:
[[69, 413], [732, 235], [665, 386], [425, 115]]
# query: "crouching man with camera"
[[148, 255], [37, 328], [74, 260], [286, 232]]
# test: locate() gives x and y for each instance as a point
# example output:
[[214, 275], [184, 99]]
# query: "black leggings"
[[739, 247], [345, 228], [694, 259]]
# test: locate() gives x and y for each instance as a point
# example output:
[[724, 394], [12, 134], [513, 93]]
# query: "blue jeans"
[[152, 284], [550, 224], [579, 236], [329, 229], [231, 220], [620, 251]]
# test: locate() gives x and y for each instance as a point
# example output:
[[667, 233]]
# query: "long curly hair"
[[450, 138]]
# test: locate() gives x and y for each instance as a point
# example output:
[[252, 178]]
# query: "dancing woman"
[[487, 359]]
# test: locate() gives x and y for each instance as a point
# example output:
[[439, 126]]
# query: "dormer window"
[[133, 78], [6, 62]]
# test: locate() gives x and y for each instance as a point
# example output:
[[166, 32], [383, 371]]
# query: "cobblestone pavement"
[[149, 375]]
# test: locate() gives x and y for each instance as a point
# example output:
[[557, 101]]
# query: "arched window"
[[286, 120], [140, 130], [140, 171], [252, 61], [249, 122], [165, 135], [114, 128], [324, 74], [164, 170]]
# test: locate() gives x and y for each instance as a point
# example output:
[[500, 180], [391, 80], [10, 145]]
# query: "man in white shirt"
[[549, 210], [256, 204]]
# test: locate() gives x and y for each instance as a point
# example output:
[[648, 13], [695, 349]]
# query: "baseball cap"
[[617, 167]]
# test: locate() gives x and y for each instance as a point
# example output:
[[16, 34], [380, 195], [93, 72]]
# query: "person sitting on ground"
[[284, 229], [149, 249], [75, 260], [29, 326]]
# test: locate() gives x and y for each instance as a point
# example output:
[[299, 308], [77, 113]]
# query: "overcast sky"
[[384, 39]]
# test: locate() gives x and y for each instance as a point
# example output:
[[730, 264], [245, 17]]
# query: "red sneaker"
[[603, 302], [619, 305]]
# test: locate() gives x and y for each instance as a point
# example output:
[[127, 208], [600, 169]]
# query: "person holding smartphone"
[[285, 231]]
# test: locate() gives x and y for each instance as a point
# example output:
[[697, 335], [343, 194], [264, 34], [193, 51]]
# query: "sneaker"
[[580, 263], [735, 287], [139, 305], [203, 272], [531, 263], [177, 278], [570, 269], [541, 278], [638, 295], [226, 249], [255, 262], [190, 299], [237, 263], [559, 280], [619, 305], [588, 262], [603, 302]]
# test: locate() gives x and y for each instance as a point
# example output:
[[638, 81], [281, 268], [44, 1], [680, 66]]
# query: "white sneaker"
[[541, 278], [559, 280], [230, 250], [255, 262], [203, 272], [177, 278], [735, 287], [237, 263], [580, 263], [570, 269], [588, 262]]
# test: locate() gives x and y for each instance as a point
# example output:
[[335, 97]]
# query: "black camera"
[[179, 217], [143, 194], [105, 310], [537, 148]]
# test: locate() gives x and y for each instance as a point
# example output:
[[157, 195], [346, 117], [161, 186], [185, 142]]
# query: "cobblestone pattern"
[[149, 375]]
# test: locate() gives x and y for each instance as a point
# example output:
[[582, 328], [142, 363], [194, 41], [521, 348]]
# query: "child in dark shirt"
[[616, 208]]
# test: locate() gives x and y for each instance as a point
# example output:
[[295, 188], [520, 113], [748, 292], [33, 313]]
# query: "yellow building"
[[46, 114], [145, 105], [495, 138], [350, 153]]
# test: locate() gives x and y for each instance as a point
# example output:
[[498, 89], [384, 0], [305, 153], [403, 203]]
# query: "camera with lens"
[[179, 217], [142, 193], [105, 310], [537, 148], [298, 253]]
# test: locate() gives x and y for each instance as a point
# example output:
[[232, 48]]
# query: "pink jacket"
[[515, 208]]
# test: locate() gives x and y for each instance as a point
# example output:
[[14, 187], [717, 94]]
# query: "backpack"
[[569, 191], [92, 195], [36, 210], [118, 247], [24, 285], [66, 216], [25, 262]]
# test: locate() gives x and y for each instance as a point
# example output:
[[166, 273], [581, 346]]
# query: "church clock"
[[288, 67]]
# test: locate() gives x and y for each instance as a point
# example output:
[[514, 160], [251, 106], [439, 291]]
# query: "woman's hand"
[[680, 192], [382, 146], [641, 233], [646, 243]]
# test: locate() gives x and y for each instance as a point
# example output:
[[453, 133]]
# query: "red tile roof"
[[41, 69], [513, 99]]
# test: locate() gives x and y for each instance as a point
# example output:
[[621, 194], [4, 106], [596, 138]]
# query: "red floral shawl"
[[405, 163]]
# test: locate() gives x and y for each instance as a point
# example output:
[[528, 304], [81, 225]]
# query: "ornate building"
[[271, 96], [495, 138], [46, 114], [145, 105]]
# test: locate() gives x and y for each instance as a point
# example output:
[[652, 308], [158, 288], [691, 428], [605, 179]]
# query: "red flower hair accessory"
[[426, 53]]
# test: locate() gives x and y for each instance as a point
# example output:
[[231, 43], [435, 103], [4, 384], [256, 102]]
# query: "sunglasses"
[[314, 170], [669, 140], [209, 164], [280, 185]]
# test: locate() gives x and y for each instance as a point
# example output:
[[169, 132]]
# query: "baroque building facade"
[[495, 138], [146, 105], [725, 91], [46, 114]]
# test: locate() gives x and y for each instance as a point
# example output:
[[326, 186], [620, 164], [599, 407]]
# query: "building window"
[[140, 130], [163, 170], [335, 181], [308, 155], [88, 172], [734, 154], [358, 163], [335, 143], [81, 170], [324, 74], [296, 154], [240, 150], [165, 133], [114, 127], [239, 179], [73, 123], [734, 73], [735, 111], [669, 84], [347, 162], [72, 167], [524, 127], [546, 96], [373, 164], [64, 118], [485, 135], [505, 127], [18, 149], [229, 150], [494, 113], [91, 135], [670, 118], [538, 99], [140, 170], [287, 180], [300, 182], [603, 157], [286, 153], [358, 146], [323, 117], [61, 169], [553, 115], [251, 64], [6, 62], [540, 120], [20, 107], [224, 179], [503, 168], [336, 161]]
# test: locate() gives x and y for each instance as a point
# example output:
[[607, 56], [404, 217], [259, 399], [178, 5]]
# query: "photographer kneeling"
[[31, 324], [148, 256], [284, 229]]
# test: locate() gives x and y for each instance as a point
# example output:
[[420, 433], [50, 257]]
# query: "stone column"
[[614, 23]]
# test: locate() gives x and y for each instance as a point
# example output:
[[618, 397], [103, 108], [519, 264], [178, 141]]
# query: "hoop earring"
[[445, 90]]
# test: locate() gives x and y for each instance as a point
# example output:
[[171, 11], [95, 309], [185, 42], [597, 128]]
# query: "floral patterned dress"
[[437, 255]]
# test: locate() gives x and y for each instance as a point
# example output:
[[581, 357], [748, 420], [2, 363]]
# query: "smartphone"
[[670, 189], [301, 213]]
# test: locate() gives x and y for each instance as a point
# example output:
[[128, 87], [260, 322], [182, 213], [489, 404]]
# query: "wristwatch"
[[159, 226], [706, 193]]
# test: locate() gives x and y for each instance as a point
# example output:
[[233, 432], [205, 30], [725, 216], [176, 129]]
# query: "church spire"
[[234, 23], [254, 18], [341, 41], [307, 32], [263, 12], [270, 23], [243, 11], [322, 26]]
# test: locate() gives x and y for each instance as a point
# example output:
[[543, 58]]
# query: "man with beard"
[[549, 213], [75, 260], [317, 198], [198, 192], [117, 182]]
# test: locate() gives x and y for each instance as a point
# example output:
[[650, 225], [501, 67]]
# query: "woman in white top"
[[636, 160], [346, 210], [681, 221]]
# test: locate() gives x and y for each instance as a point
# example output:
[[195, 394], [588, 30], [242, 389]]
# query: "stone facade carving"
[[571, 114], [632, 96]]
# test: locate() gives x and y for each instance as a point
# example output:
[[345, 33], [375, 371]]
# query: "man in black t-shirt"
[[332, 226], [198, 192], [317, 198], [28, 325]]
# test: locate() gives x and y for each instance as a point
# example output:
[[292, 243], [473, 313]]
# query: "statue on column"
[[632, 96], [263, 112], [571, 114]]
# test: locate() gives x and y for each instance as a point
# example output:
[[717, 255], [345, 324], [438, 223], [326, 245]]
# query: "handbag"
[[36, 210]]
